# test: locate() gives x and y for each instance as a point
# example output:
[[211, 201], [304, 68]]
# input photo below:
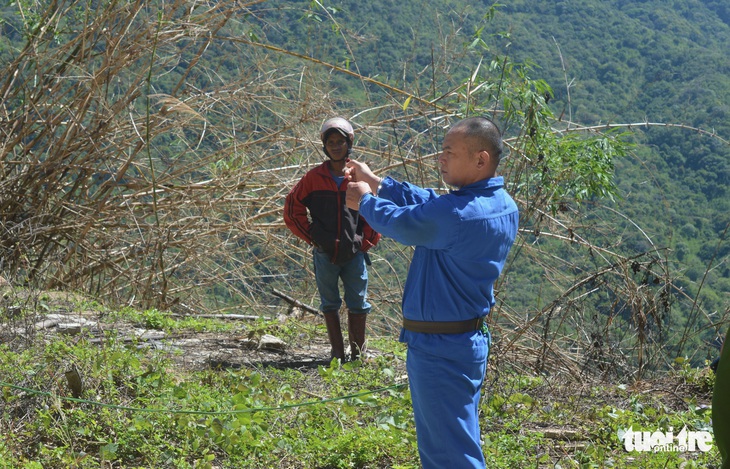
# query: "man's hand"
[[359, 172], [355, 191]]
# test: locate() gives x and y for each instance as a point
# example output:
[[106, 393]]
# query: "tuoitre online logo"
[[658, 441]]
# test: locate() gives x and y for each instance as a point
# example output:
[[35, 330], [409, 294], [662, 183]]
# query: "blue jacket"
[[462, 240]]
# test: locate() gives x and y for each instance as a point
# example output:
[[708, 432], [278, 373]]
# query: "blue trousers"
[[445, 391], [354, 275]]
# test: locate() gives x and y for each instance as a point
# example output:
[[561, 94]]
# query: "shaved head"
[[482, 134]]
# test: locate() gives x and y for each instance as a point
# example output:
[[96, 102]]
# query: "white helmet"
[[339, 124]]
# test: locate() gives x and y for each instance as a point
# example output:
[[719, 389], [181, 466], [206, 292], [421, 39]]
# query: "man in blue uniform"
[[462, 240]]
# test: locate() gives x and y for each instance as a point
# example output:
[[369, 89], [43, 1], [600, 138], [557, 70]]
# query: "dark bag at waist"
[[443, 327]]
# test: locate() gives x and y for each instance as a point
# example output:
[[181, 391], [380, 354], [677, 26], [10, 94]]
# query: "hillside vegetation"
[[113, 198], [132, 390], [656, 69], [146, 149]]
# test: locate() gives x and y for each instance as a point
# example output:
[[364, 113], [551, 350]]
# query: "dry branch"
[[296, 303], [237, 317], [133, 170]]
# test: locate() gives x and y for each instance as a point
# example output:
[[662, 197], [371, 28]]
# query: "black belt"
[[444, 327]]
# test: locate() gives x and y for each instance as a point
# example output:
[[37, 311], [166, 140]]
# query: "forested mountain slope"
[[658, 62], [222, 103], [611, 63]]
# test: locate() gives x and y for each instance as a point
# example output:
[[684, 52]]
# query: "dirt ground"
[[59, 313]]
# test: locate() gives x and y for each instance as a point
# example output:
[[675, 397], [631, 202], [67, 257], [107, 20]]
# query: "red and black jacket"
[[334, 228]]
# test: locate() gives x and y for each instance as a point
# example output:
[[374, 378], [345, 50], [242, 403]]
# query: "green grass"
[[140, 409]]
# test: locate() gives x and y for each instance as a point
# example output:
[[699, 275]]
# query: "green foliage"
[[583, 430], [165, 321], [700, 377], [203, 131], [141, 410]]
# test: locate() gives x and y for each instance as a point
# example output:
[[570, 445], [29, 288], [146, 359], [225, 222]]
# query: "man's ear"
[[482, 158]]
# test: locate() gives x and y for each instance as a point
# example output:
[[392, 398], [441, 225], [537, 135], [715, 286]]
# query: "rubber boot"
[[356, 330], [334, 332]]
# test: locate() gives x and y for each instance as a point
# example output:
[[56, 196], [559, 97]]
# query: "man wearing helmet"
[[315, 211]]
